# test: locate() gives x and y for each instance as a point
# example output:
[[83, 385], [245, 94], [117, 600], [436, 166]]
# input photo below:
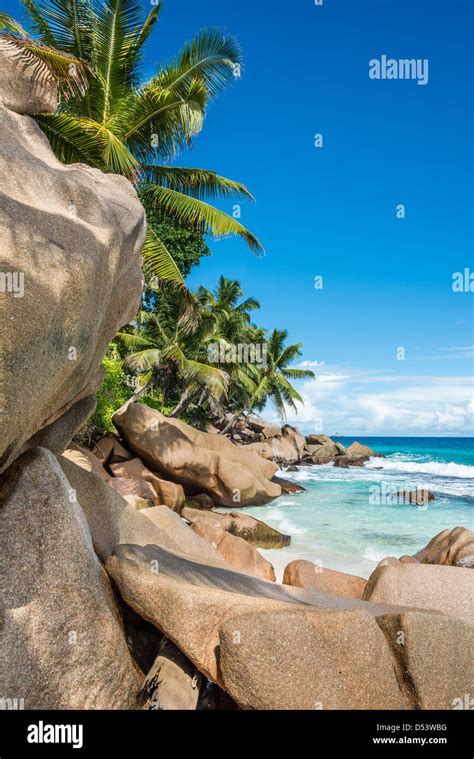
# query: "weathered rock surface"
[[165, 589], [305, 574], [173, 682], [109, 450], [252, 530], [140, 488], [320, 670], [202, 502], [236, 551], [357, 449], [200, 462], [433, 657], [344, 462], [189, 542], [425, 586], [62, 641], [167, 493], [451, 547], [113, 522], [414, 497], [85, 459], [288, 486], [71, 240]]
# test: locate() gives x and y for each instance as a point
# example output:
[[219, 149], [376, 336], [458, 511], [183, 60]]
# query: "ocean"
[[346, 519]]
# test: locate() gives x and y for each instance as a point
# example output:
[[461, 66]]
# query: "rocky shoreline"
[[122, 588]]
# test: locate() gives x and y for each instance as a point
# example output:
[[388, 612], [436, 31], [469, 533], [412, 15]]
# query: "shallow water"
[[346, 519]]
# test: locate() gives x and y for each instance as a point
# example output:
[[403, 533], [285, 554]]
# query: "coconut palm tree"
[[167, 349], [274, 382], [133, 127]]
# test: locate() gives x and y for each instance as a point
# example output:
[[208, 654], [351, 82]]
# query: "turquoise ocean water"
[[345, 518]]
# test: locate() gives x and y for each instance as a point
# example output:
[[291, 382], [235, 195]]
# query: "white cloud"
[[354, 402]]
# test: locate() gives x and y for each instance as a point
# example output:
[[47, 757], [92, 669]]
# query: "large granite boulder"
[[425, 586], [254, 531], [451, 547], [357, 450], [305, 574], [433, 657], [62, 641], [235, 551], [168, 493], [307, 659], [199, 461], [71, 240]]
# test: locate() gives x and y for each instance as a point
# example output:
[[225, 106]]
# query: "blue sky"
[[331, 211]]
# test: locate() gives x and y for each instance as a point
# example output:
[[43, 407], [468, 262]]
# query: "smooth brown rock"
[[113, 521], [62, 641], [168, 493], [426, 586], [306, 659], [318, 440], [190, 544], [288, 486], [357, 449], [165, 589], [305, 574], [451, 547], [345, 462], [322, 455], [202, 502], [109, 450], [85, 459], [202, 463], [173, 682], [414, 497], [252, 530], [235, 551], [433, 655], [75, 236], [139, 488]]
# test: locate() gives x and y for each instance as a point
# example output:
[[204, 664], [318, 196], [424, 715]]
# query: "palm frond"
[[158, 261], [69, 72], [9, 23], [198, 183], [198, 214]]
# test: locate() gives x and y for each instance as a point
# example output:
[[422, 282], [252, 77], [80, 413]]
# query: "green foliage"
[[187, 246], [113, 392], [126, 125]]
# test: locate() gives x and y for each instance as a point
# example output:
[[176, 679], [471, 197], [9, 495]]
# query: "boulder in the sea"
[[425, 586], [71, 240], [414, 497], [357, 449], [306, 574], [200, 462], [63, 645], [166, 492], [288, 486], [450, 547], [322, 454], [344, 462]]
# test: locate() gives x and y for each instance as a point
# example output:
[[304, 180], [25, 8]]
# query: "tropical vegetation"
[[193, 354]]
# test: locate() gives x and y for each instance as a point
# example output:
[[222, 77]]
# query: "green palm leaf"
[[198, 214]]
